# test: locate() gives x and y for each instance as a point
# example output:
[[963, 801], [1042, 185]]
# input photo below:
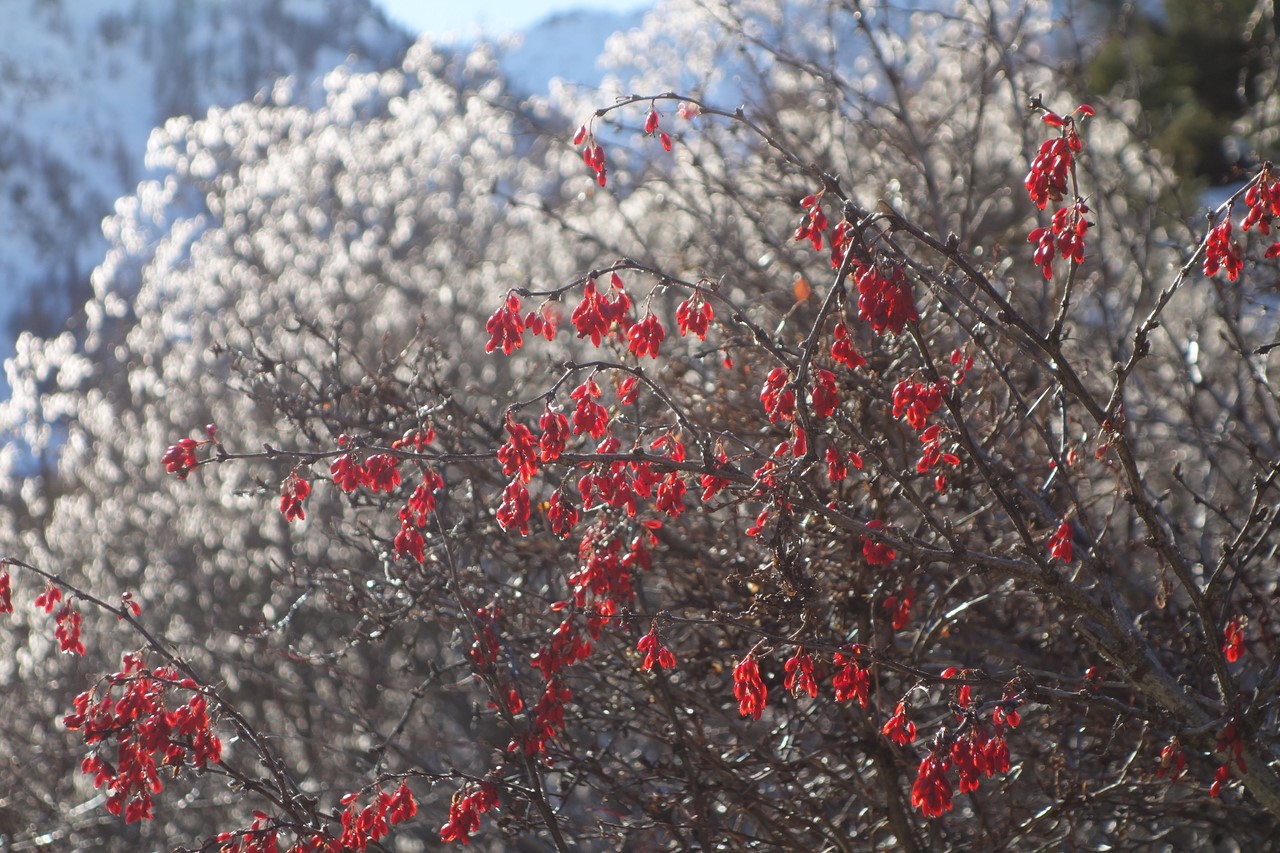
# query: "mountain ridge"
[[82, 92]]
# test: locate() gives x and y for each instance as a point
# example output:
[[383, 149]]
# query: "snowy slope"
[[83, 83], [565, 46]]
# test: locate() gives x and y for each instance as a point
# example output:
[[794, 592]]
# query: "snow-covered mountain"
[[566, 45], [82, 84]]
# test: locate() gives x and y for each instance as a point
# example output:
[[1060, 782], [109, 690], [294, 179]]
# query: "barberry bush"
[[837, 444]]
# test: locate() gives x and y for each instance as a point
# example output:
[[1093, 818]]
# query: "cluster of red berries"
[[293, 491], [1050, 179], [777, 397], [1047, 179], [1233, 640], [931, 454], [1230, 745], [145, 732], [694, 315], [748, 688], [180, 458], [1064, 237], [842, 348], [916, 400], [1263, 198], [1173, 761], [884, 298], [1221, 252], [898, 606], [899, 727], [815, 222], [592, 154], [655, 654], [465, 810], [506, 326], [646, 337], [876, 553], [824, 394], [364, 827], [597, 313], [852, 680], [1060, 547], [799, 675], [838, 463], [414, 515], [651, 127], [379, 473], [814, 225], [361, 829]]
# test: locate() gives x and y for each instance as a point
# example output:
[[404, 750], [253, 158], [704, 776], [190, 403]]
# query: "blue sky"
[[493, 17]]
